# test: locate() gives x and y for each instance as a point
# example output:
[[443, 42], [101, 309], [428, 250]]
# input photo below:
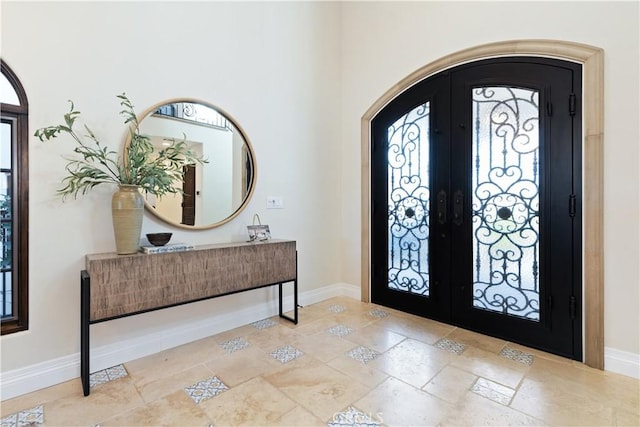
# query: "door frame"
[[592, 60]]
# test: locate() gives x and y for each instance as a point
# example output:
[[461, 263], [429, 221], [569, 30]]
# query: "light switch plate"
[[274, 202]]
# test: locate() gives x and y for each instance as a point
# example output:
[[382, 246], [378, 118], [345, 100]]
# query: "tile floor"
[[345, 364]]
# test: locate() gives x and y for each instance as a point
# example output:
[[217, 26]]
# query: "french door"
[[476, 189]]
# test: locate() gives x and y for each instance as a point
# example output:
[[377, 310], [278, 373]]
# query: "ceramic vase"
[[127, 206]]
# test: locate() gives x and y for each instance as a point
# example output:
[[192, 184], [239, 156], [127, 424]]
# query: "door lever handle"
[[442, 207], [458, 205]]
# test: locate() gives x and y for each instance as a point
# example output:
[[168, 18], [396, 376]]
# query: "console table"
[[115, 286]]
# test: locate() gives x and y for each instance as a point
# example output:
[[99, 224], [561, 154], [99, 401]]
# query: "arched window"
[[14, 203]]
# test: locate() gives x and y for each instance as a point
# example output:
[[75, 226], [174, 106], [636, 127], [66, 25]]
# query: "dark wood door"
[[189, 195], [476, 178]]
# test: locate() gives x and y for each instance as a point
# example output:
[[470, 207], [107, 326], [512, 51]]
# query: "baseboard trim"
[[51, 372], [622, 362]]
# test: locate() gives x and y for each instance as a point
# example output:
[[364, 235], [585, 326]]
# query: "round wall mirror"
[[212, 193]]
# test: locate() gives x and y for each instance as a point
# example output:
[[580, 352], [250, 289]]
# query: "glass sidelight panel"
[[6, 221], [408, 199], [505, 184]]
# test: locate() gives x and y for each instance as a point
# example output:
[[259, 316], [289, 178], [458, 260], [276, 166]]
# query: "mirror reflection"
[[214, 192]]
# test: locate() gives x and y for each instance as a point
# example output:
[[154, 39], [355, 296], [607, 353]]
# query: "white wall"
[[383, 42], [272, 66], [217, 180]]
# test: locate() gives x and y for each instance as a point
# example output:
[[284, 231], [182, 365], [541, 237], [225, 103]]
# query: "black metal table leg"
[[85, 300], [295, 302], [295, 297]]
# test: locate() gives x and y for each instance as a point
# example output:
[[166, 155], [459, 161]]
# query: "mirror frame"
[[250, 150]]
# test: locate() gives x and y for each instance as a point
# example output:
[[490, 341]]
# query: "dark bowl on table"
[[159, 239]]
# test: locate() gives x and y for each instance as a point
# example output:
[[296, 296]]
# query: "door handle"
[[458, 204], [442, 207]]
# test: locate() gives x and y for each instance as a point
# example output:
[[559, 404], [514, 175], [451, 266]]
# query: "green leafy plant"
[[155, 172]]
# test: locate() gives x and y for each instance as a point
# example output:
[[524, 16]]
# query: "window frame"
[[19, 114]]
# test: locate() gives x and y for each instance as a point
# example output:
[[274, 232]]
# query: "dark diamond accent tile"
[[379, 314], [493, 391], [286, 354], [363, 355], [517, 355], [450, 346], [106, 375], [9, 420], [337, 308], [264, 324], [28, 417], [340, 330], [206, 389], [234, 344], [352, 417]]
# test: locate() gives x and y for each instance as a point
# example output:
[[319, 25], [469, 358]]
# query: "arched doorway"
[[476, 167], [591, 59]]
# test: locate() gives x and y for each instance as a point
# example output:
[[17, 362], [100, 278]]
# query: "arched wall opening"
[[592, 60]]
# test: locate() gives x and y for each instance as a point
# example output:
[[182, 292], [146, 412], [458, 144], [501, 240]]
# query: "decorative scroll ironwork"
[[506, 201], [408, 198]]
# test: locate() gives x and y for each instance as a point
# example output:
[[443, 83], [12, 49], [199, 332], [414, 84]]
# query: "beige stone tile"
[[298, 417], [621, 391], [348, 303], [559, 402], [306, 315], [147, 362], [612, 389], [354, 320], [474, 410], [297, 363], [450, 384], [318, 387], [203, 349], [169, 362], [393, 311], [365, 374], [425, 330], [540, 354], [254, 403], [240, 366], [105, 401], [493, 391], [272, 338], [375, 337], [543, 369], [491, 366], [624, 418], [322, 345], [164, 386], [413, 362], [245, 331], [473, 339], [29, 400], [358, 306], [319, 325], [397, 403], [174, 409], [324, 305]]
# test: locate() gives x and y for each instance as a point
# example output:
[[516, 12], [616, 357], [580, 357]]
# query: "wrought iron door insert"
[[476, 178]]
